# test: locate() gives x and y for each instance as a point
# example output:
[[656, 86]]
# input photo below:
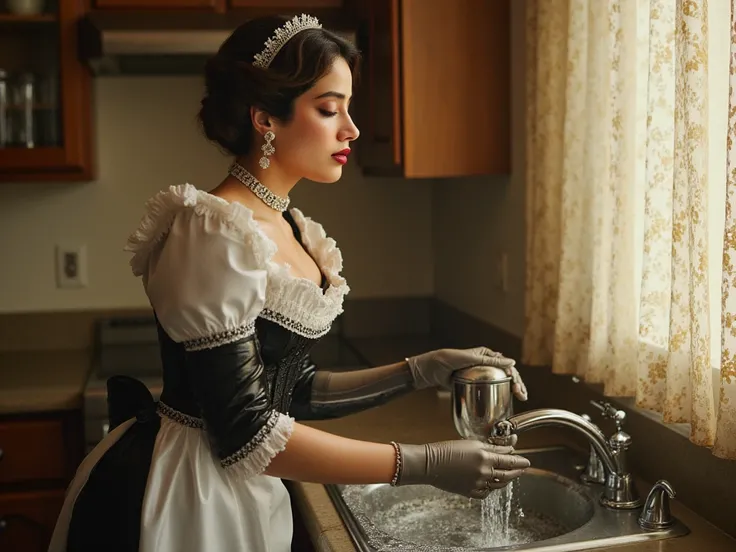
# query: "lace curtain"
[[627, 146]]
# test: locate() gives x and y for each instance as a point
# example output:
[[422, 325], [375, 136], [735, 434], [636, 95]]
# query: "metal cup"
[[481, 396]]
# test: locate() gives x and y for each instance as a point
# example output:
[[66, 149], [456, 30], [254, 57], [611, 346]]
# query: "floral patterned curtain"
[[620, 147], [725, 445]]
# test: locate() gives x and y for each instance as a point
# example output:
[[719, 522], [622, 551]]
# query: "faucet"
[[619, 491], [594, 471], [482, 408]]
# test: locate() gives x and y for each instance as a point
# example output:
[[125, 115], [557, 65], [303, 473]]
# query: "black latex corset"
[[283, 353]]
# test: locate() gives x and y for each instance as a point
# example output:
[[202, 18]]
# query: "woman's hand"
[[465, 467], [435, 368]]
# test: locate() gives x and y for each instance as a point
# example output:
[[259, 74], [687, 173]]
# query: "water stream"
[[498, 511]]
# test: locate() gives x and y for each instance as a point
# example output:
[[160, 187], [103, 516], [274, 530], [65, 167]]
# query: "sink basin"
[[546, 510]]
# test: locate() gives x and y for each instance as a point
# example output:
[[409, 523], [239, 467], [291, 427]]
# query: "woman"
[[242, 287]]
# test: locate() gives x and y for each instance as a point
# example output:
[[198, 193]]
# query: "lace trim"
[[254, 457], [179, 417], [161, 210], [295, 325], [302, 304], [221, 338]]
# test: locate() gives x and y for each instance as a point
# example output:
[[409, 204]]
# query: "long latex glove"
[[465, 467], [435, 368]]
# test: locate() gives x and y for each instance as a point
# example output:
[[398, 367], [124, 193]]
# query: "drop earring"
[[268, 150]]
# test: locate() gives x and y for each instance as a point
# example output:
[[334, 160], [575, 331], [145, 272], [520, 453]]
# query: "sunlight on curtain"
[[627, 109]]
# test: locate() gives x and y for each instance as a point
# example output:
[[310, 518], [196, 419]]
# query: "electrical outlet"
[[71, 266]]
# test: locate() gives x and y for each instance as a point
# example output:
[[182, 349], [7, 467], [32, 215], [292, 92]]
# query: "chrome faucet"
[[656, 512], [594, 471], [482, 409], [619, 491]]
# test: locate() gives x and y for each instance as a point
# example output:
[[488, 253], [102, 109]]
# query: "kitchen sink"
[[547, 509]]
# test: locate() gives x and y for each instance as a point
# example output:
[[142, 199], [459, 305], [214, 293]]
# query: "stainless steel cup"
[[481, 396]]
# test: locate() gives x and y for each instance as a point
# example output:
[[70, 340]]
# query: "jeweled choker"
[[264, 194]]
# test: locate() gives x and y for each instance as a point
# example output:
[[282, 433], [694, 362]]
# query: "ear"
[[261, 120]]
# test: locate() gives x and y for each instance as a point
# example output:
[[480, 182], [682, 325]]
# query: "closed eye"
[[328, 113]]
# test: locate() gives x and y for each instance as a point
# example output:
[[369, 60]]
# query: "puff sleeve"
[[206, 281]]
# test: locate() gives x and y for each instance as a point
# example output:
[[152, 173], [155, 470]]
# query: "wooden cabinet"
[[217, 5], [301, 4], [160, 4], [38, 457], [27, 520], [45, 104], [436, 94]]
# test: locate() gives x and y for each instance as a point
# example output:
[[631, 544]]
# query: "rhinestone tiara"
[[281, 36]]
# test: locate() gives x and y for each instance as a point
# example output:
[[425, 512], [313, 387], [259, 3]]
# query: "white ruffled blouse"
[[208, 271]]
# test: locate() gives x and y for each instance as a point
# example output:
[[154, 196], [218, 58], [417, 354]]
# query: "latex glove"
[[465, 467], [435, 368]]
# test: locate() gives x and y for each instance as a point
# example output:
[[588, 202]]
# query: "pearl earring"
[[268, 150]]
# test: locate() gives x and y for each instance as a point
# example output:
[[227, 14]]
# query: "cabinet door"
[[378, 96], [45, 127], [27, 520], [301, 4], [456, 86], [160, 4]]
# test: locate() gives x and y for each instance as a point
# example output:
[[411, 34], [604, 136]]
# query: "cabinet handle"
[[3, 524], [2, 453]]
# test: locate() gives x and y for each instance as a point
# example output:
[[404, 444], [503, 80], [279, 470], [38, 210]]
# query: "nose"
[[349, 132]]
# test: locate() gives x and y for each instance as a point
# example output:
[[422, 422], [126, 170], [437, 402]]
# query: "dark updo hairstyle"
[[233, 84]]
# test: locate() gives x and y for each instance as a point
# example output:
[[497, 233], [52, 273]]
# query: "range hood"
[[158, 43], [172, 44]]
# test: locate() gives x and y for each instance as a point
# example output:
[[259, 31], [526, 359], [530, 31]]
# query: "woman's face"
[[315, 143]]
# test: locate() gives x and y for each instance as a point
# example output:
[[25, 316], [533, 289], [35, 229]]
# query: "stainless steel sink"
[[549, 511]]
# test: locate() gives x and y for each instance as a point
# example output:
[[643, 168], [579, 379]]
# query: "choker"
[[264, 194]]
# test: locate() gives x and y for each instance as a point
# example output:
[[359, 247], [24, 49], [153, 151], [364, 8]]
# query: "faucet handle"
[[656, 512], [610, 411]]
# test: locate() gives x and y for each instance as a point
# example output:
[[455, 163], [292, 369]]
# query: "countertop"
[[54, 380], [423, 417], [42, 381]]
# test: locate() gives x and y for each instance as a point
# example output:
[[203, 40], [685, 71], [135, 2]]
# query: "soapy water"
[[442, 521]]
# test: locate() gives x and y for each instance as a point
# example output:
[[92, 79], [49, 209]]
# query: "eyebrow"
[[332, 94]]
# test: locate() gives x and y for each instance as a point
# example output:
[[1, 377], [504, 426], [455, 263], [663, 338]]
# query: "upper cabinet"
[[435, 93], [287, 4], [158, 4], [216, 5], [45, 119]]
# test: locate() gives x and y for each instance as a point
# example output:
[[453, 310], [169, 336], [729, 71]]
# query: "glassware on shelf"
[[32, 107], [23, 104]]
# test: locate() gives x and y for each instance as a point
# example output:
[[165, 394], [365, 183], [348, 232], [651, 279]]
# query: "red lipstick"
[[341, 156]]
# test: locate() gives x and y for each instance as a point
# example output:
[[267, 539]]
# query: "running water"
[[496, 515]]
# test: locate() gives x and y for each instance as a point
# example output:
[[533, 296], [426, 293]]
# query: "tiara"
[[281, 36]]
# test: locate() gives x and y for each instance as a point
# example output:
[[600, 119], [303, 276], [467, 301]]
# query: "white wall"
[[147, 139], [475, 219]]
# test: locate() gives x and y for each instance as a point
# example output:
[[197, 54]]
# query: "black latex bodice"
[[284, 355]]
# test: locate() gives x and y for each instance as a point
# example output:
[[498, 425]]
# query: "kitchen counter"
[[423, 417], [42, 381]]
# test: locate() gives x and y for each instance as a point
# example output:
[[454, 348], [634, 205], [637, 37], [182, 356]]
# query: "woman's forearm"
[[323, 394], [316, 456]]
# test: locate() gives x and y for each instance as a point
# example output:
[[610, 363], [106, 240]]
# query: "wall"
[[476, 219], [147, 139]]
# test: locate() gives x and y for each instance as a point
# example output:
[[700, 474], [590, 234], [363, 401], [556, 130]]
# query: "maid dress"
[[186, 473]]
